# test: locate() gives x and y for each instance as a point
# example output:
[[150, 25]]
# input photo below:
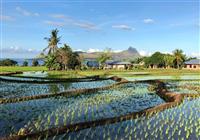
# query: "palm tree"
[[179, 57], [53, 42], [103, 57]]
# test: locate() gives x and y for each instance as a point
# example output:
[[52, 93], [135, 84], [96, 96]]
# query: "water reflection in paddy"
[[10, 89], [46, 113], [181, 122], [186, 86]]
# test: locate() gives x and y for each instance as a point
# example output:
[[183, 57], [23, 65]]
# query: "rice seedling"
[[182, 121]]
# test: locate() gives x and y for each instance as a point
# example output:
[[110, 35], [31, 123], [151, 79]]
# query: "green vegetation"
[[35, 63], [8, 62], [53, 42], [179, 58], [161, 60], [25, 63], [106, 55], [60, 58], [23, 69], [81, 73], [131, 110]]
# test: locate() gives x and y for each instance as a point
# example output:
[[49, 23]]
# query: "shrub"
[[25, 63], [35, 63], [8, 62]]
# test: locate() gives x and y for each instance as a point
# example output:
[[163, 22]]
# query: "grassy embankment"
[[125, 73], [18, 68]]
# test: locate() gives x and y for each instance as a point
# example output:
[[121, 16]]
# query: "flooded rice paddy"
[[14, 89], [174, 77], [180, 122]]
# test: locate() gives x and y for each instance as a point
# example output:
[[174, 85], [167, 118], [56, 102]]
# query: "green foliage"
[[60, 58], [137, 60], [67, 58], [166, 60], [8, 62], [25, 63], [20, 68], [190, 58], [75, 62], [35, 63], [53, 42], [179, 58], [41, 56], [156, 59], [63, 59], [51, 63], [103, 57]]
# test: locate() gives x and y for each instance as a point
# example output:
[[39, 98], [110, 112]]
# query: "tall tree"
[[64, 55], [53, 42], [103, 57], [179, 58], [67, 58], [155, 59], [168, 60], [75, 61]]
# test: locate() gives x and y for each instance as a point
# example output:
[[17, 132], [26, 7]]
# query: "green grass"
[[126, 73], [137, 72], [19, 68]]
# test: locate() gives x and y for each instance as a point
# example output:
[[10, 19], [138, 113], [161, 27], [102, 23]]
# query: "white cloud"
[[85, 25], [58, 16], [19, 50], [25, 12], [145, 53], [93, 50], [78, 50], [90, 50], [123, 27], [148, 20], [116, 51], [54, 23], [195, 54], [6, 18], [166, 52], [73, 22]]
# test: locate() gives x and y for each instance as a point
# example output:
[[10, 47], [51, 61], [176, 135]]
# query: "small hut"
[[192, 64]]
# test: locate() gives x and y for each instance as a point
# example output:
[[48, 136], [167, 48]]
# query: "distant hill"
[[129, 54]]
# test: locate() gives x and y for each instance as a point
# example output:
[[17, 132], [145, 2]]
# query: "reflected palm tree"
[[53, 88], [66, 85]]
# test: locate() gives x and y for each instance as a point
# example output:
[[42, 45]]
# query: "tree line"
[[62, 58], [161, 60], [10, 62]]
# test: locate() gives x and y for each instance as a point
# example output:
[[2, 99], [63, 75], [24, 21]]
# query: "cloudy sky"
[[148, 26]]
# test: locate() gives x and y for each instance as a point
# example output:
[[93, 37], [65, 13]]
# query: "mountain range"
[[129, 54]]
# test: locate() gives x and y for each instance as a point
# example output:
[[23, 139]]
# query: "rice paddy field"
[[100, 110]]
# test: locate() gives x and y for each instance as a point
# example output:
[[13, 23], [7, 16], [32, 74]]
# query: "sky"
[[148, 26]]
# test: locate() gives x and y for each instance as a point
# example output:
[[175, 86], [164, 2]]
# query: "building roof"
[[193, 62], [122, 63], [92, 64], [110, 62]]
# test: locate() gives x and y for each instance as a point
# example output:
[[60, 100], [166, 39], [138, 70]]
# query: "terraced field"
[[113, 108]]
